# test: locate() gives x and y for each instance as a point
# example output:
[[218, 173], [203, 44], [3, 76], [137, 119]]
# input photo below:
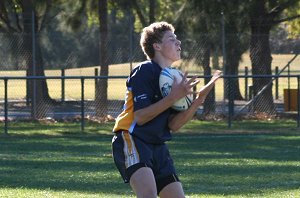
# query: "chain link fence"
[[68, 75]]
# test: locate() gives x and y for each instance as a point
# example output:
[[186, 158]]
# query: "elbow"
[[139, 119], [139, 122], [174, 130], [174, 124], [174, 127]]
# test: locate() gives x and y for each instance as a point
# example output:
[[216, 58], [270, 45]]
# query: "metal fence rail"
[[83, 105]]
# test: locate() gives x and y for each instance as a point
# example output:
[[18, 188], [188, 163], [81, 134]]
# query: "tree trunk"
[[101, 93], [232, 66], [152, 11], [203, 59], [139, 12], [261, 59], [234, 50], [37, 90]]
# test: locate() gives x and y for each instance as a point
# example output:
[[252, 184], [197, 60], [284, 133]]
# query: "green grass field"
[[253, 159]]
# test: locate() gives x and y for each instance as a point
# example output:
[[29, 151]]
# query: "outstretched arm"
[[178, 120]]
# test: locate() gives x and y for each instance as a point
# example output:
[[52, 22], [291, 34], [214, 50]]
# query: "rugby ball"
[[166, 79]]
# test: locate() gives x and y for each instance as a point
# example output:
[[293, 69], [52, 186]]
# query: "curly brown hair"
[[153, 34]]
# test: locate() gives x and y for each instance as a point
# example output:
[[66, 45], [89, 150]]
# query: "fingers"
[[191, 80], [185, 85], [193, 83], [218, 73], [185, 75], [190, 83]]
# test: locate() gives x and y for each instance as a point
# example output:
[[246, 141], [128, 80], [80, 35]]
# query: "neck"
[[162, 62]]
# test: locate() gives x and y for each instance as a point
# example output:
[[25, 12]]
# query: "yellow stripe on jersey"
[[131, 154], [126, 119]]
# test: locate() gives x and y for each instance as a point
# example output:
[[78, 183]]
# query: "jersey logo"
[[140, 97]]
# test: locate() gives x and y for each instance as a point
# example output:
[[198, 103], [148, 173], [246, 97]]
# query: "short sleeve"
[[142, 83]]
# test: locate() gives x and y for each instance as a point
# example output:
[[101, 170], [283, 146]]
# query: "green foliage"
[[169, 10], [72, 16], [15, 5], [293, 26], [164, 11]]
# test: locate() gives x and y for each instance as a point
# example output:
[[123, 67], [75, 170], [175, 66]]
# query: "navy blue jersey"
[[142, 91]]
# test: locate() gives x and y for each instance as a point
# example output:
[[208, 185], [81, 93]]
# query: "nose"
[[178, 42]]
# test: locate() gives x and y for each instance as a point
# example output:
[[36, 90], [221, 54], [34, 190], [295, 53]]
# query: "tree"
[[101, 96], [97, 12], [293, 25], [149, 11], [193, 26], [264, 15], [236, 43], [104, 15], [201, 20], [28, 18]]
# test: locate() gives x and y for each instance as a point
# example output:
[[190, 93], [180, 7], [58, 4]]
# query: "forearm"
[[144, 115], [204, 91], [181, 118], [178, 91], [177, 121]]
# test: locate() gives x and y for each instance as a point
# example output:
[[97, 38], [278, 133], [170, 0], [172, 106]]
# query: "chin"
[[176, 59]]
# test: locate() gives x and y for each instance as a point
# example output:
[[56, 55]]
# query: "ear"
[[156, 46]]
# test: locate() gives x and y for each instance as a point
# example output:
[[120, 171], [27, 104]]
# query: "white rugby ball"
[[166, 79]]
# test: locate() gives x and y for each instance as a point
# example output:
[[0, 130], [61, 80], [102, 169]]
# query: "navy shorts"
[[131, 153]]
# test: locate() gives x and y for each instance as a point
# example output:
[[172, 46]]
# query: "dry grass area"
[[116, 87]]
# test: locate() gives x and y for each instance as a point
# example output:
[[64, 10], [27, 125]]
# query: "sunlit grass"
[[58, 160]]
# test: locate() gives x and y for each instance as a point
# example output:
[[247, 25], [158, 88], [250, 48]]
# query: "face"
[[170, 47]]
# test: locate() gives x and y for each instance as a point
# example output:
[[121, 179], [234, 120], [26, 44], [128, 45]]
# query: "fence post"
[[131, 30], [289, 79], [27, 92], [230, 101], [33, 97], [96, 74], [223, 49], [63, 85], [276, 82], [298, 101], [82, 104], [246, 83], [96, 82], [5, 107]]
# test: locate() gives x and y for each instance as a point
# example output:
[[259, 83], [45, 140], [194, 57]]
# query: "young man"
[[141, 130]]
